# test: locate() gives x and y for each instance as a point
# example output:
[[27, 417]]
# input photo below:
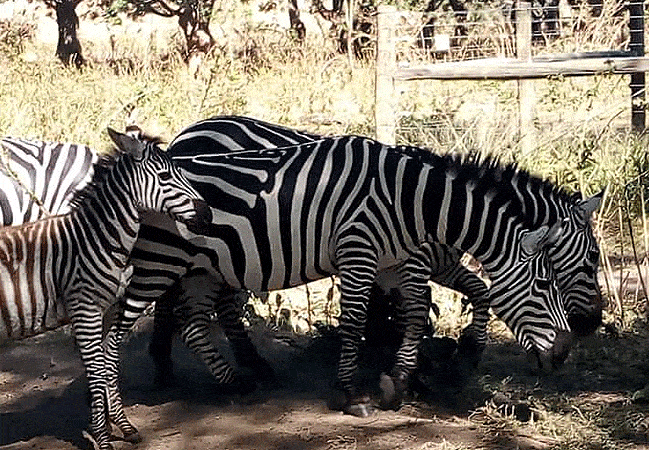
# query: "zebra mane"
[[490, 174], [101, 169]]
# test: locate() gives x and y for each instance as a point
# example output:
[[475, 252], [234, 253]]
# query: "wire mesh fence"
[[481, 114]]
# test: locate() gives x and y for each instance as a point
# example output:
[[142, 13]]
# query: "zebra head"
[[575, 259], [527, 298], [158, 184]]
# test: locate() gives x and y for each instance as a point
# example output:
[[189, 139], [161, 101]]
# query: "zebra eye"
[[165, 176], [593, 256]]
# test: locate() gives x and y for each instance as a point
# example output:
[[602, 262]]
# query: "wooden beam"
[[513, 69], [385, 108], [525, 87]]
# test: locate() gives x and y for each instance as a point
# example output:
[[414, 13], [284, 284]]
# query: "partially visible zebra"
[[39, 178], [352, 206], [219, 135], [71, 268]]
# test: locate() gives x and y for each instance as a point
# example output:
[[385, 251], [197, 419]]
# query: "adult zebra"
[[39, 178], [220, 135], [352, 206], [71, 268]]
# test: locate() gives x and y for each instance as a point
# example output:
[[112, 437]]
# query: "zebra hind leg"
[[229, 310]]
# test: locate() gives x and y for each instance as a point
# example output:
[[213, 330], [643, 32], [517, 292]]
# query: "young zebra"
[[70, 268], [352, 206]]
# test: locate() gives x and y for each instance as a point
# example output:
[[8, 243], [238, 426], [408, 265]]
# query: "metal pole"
[[637, 80]]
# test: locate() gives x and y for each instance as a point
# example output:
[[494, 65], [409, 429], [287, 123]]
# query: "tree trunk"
[[68, 48], [297, 27], [194, 19]]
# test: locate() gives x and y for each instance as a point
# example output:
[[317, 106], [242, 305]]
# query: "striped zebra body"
[[227, 134], [351, 206], [72, 267]]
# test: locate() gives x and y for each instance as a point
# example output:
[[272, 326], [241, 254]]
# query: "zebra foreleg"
[[115, 408], [189, 306], [357, 275], [160, 345], [473, 338], [121, 323], [87, 326], [229, 310]]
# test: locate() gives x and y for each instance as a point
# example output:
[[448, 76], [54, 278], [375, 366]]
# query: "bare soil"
[[44, 400]]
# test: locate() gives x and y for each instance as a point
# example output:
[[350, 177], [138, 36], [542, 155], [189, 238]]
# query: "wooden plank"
[[513, 69]]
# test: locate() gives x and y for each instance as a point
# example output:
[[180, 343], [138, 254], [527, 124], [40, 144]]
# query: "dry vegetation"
[[583, 144]]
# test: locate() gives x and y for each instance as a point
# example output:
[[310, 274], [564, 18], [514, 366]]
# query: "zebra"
[[39, 178], [352, 206], [70, 268], [232, 133], [245, 133]]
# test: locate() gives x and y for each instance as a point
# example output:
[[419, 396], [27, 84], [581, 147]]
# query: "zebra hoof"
[[393, 390], [361, 409], [133, 438]]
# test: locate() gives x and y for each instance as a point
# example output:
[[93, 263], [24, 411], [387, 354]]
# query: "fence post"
[[526, 88], [637, 80], [385, 104]]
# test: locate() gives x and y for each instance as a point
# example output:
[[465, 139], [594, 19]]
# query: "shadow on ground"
[[44, 399]]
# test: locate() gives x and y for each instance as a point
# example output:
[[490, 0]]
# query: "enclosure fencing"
[[511, 46]]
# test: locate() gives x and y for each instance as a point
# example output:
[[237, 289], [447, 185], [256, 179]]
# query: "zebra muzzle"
[[553, 358]]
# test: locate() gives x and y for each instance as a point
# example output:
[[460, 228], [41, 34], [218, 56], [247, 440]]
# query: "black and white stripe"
[[39, 178], [232, 133], [71, 268]]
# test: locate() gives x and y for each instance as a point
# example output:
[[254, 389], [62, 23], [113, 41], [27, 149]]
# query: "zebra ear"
[[127, 143], [545, 236], [532, 241], [586, 208]]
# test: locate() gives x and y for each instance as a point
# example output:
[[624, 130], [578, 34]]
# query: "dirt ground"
[[43, 396]]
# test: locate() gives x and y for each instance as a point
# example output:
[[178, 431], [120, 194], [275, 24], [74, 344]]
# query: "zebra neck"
[[464, 214], [109, 221]]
